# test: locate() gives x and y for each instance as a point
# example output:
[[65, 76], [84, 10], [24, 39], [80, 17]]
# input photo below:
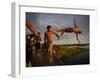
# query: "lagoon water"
[[85, 46]]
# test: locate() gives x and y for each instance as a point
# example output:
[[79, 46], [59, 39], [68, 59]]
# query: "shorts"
[[69, 30]]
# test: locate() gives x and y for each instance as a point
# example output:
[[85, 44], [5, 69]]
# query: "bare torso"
[[49, 36]]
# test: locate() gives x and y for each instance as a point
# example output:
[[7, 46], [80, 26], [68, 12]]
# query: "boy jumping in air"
[[74, 29]]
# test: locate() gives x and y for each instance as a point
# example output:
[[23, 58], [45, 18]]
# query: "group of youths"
[[48, 40]]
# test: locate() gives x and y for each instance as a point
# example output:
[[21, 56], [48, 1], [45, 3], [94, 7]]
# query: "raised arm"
[[77, 38], [30, 27]]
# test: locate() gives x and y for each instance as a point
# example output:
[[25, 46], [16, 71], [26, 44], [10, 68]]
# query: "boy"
[[48, 38], [37, 41], [75, 30]]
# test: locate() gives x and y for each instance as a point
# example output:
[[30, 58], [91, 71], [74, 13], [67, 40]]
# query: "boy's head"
[[49, 27], [39, 33]]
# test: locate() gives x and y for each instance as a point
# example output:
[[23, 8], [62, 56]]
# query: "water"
[[85, 46]]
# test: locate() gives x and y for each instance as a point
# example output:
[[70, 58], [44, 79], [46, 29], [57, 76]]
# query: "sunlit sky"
[[59, 21]]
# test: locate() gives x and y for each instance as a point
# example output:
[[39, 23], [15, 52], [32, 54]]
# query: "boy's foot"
[[51, 61]]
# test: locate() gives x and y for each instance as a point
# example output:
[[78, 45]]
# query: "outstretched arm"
[[30, 27], [77, 38]]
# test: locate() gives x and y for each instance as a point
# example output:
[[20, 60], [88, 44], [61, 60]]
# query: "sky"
[[59, 21]]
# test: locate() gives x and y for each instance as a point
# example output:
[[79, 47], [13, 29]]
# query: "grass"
[[65, 51]]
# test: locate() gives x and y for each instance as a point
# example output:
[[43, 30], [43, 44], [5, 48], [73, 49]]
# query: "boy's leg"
[[36, 49], [50, 49], [62, 33], [62, 30]]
